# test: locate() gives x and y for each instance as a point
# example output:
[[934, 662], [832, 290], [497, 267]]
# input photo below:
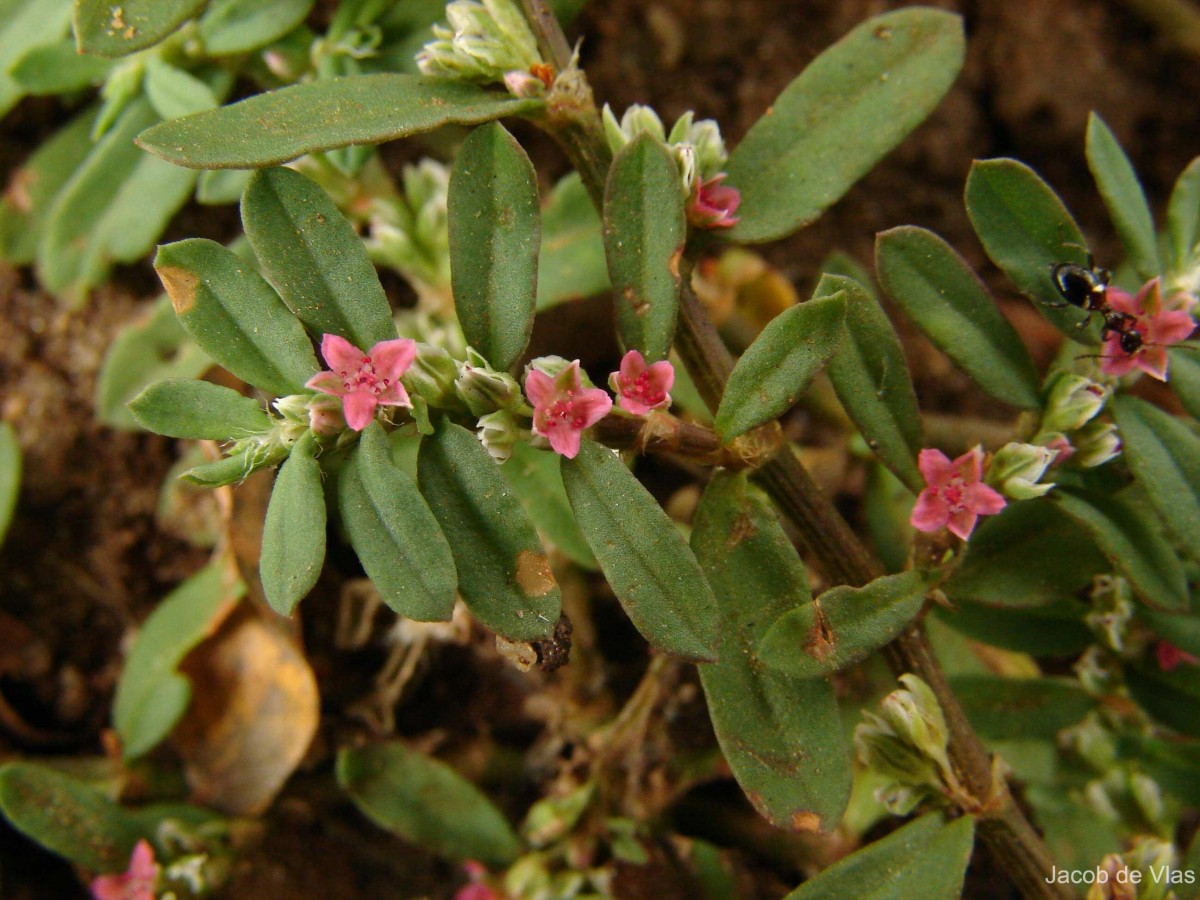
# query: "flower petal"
[[327, 383], [339, 354], [970, 465], [1153, 361], [983, 499], [1169, 327], [633, 364], [359, 408], [662, 376], [962, 522], [392, 358], [539, 388], [930, 512], [394, 395], [1114, 361], [1122, 302], [591, 405], [934, 465], [564, 441]]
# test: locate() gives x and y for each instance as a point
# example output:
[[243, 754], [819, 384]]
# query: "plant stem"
[[822, 529]]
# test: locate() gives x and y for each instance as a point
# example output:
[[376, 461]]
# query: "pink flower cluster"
[[712, 204], [955, 495], [1159, 328]]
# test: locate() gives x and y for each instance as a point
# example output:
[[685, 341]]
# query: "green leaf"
[[926, 858], [1174, 764], [944, 298], [1026, 230], [1172, 698], [293, 541], [1133, 545], [870, 376], [780, 734], [396, 537], [235, 317], [426, 802], [846, 110], [1122, 192], [504, 576], [1185, 376], [1001, 709], [33, 187], [778, 366], [1029, 555], [108, 29], [10, 476], [217, 187], [842, 626], [111, 210], [238, 26], [233, 469], [24, 25], [68, 817], [642, 554], [152, 695], [644, 232], [535, 477], [273, 127], [186, 408], [1164, 455], [315, 259], [1183, 630], [173, 92], [152, 348], [58, 69], [495, 233], [1054, 630], [571, 264], [1183, 225]]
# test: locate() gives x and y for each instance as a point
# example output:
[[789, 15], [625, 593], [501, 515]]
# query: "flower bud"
[[499, 432], [917, 717], [704, 137], [1112, 610], [638, 119], [1094, 743], [1073, 402], [483, 43], [1148, 796], [482, 388], [432, 376], [553, 366], [523, 84], [326, 417], [1016, 468], [1095, 671], [1096, 443]]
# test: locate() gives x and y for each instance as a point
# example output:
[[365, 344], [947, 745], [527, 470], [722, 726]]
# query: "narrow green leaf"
[[232, 469], [186, 408], [396, 537], [1026, 230], [235, 317], [33, 187], [173, 92], [315, 259], [780, 734], [151, 694], [1181, 630], [643, 556], [1185, 376], [238, 26], [1172, 698], [1174, 764], [495, 233], [503, 573], [426, 802], [1183, 226], [108, 29], [1029, 555], [10, 476], [644, 231], [58, 68], [842, 626], [293, 541], [1003, 709], [273, 127], [944, 298], [571, 264], [778, 366], [926, 858], [535, 477], [870, 376], [68, 817], [1164, 455], [1122, 192], [111, 211], [24, 25], [1133, 544], [833, 123], [1054, 630]]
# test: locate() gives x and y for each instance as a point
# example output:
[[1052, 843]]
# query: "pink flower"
[[641, 388], [1158, 327], [955, 496], [712, 204], [563, 407], [135, 883], [1169, 656], [364, 380], [478, 889]]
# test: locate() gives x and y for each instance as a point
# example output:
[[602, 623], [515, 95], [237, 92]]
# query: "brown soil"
[[85, 561]]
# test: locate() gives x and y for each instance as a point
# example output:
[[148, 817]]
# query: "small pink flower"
[[364, 380], [1158, 327], [641, 388], [1062, 449], [1170, 657], [135, 883], [478, 889], [955, 496], [712, 204], [563, 407]]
